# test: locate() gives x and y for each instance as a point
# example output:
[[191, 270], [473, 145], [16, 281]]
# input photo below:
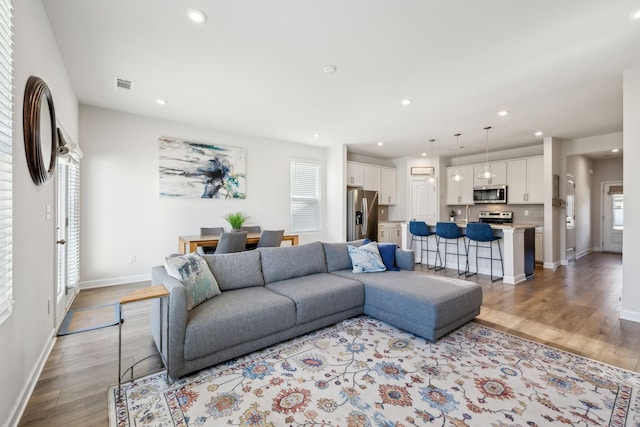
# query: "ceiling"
[[256, 67]]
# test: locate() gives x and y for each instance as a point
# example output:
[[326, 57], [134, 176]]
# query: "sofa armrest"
[[405, 259], [174, 320]]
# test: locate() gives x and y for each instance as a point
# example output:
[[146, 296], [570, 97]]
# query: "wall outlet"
[[132, 258], [526, 213]]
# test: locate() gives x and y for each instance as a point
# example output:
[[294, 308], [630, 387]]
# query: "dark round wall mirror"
[[39, 125]]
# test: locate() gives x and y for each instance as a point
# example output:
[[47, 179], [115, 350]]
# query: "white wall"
[[579, 166], [603, 170], [631, 244], [123, 215], [27, 335]]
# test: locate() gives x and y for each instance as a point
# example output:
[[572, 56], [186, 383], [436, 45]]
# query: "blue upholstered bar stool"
[[481, 236], [420, 232], [450, 233]]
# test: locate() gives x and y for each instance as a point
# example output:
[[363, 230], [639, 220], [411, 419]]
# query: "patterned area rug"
[[363, 372]]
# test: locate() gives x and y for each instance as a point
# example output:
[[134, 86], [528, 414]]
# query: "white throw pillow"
[[366, 258], [195, 275]]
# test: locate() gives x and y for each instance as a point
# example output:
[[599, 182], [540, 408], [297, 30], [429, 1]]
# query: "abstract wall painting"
[[196, 170]]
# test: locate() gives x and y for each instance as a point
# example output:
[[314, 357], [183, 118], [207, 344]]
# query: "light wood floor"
[[574, 308]]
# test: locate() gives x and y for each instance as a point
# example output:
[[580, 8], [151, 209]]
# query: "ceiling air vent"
[[124, 84]]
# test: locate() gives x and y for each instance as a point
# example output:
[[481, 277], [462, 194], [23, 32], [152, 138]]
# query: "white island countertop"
[[502, 226]]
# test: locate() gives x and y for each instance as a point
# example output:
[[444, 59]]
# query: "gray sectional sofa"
[[274, 294]]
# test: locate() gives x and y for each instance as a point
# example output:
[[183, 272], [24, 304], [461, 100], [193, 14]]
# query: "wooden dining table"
[[188, 244]]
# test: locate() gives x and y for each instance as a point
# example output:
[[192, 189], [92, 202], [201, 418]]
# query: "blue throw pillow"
[[366, 258], [388, 254]]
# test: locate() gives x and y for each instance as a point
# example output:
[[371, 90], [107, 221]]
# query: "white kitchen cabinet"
[[371, 178], [387, 195], [525, 180], [355, 174], [390, 233], [460, 192], [499, 169]]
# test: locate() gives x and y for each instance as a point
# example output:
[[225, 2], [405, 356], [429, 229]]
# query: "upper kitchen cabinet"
[[460, 192], [387, 195], [525, 181], [499, 169], [355, 174], [371, 178]]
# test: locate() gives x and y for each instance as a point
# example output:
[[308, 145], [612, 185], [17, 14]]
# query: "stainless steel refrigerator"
[[362, 214]]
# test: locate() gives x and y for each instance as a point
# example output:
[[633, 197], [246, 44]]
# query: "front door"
[[612, 217]]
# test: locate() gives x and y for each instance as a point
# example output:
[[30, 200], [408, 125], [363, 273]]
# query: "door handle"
[[61, 241]]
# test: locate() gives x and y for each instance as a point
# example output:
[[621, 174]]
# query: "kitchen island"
[[517, 244]]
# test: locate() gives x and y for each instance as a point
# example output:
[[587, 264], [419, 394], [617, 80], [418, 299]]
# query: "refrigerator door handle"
[[365, 217]]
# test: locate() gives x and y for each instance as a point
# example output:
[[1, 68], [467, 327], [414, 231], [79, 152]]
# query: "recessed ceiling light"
[[424, 154], [503, 112], [615, 150], [316, 135], [380, 144], [406, 102], [329, 69], [197, 16], [539, 133], [161, 101], [636, 14]]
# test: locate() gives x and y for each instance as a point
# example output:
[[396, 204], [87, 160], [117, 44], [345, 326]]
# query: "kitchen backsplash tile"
[[535, 212]]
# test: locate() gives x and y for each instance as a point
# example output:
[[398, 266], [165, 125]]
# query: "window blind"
[[73, 229], [305, 196], [6, 171]]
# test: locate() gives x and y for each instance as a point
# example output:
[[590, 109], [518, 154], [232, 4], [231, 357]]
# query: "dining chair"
[[209, 231], [270, 238], [251, 229], [234, 241]]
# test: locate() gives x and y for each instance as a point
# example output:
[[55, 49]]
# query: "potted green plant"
[[452, 215], [236, 220]]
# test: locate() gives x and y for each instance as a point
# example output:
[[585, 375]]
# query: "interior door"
[[571, 218], [612, 217], [424, 197]]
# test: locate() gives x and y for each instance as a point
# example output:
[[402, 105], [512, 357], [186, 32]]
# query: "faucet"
[[467, 212]]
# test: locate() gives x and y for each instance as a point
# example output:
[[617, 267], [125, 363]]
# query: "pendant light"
[[488, 173], [456, 176], [432, 178]]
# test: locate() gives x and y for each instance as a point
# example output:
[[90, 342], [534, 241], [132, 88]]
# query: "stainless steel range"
[[496, 217]]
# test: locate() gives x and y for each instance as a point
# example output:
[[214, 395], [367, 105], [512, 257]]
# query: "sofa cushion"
[[388, 255], [235, 317], [366, 258], [320, 295], [194, 274], [288, 262], [236, 270], [337, 255]]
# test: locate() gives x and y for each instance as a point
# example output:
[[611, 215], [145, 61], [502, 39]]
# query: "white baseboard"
[[27, 390], [633, 316], [583, 253], [552, 265], [115, 281]]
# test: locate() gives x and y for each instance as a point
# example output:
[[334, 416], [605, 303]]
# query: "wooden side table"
[[150, 292]]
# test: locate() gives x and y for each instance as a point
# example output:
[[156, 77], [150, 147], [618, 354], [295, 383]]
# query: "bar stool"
[[478, 233], [450, 232], [420, 232]]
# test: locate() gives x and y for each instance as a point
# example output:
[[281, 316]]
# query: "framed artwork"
[[196, 170], [423, 170]]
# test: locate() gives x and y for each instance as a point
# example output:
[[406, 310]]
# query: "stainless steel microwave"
[[490, 194]]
